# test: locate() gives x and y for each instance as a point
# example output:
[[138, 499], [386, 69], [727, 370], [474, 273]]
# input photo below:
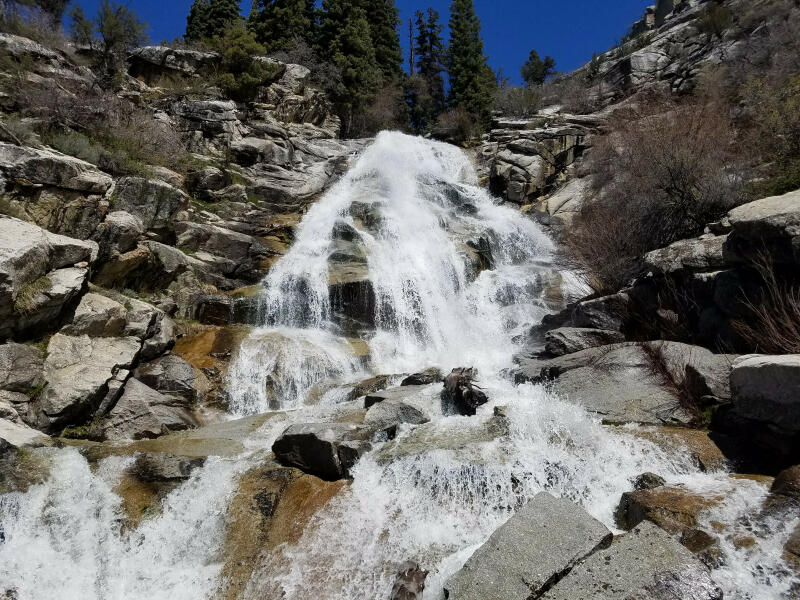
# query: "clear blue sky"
[[568, 30]]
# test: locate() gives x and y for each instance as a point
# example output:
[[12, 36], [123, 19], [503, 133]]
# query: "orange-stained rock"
[[671, 508], [696, 442], [272, 507]]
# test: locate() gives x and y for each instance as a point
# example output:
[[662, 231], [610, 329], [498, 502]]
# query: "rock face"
[[327, 450], [30, 166], [41, 274], [619, 382], [766, 403], [533, 549], [566, 340], [644, 563]]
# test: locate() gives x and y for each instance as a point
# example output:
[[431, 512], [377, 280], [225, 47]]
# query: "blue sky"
[[568, 30]]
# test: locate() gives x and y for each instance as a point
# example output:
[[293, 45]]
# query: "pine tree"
[[384, 18], [535, 71], [346, 41], [279, 24], [208, 18], [472, 82], [431, 57]]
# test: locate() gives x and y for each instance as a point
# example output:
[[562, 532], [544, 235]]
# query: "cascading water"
[[444, 277]]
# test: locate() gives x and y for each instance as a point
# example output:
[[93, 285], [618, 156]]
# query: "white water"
[[434, 494]]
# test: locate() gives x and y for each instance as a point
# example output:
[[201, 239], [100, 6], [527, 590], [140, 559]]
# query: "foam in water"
[[436, 492]]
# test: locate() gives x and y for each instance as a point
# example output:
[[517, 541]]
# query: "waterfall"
[[406, 263]]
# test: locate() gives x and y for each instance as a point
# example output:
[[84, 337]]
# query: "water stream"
[[456, 279]]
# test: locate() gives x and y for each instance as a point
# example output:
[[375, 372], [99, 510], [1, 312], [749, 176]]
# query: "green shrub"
[[242, 71]]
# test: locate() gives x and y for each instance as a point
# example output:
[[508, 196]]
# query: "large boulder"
[[771, 224], [671, 508], [646, 563], [41, 274], [21, 368], [153, 63], [18, 435], [97, 316], [83, 375], [171, 374], [623, 383], [566, 340], [327, 450], [696, 254], [388, 415], [155, 203], [26, 166], [534, 548], [142, 412]]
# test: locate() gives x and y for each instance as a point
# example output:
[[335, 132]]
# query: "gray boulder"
[[534, 548], [395, 394], [386, 416], [410, 582], [119, 232], [82, 374], [607, 312], [696, 254], [766, 389], [566, 340], [21, 368], [426, 377], [644, 564], [620, 382], [142, 412], [170, 374], [155, 203], [40, 274], [327, 450], [18, 435], [152, 62], [97, 316], [160, 467], [31, 166], [771, 224]]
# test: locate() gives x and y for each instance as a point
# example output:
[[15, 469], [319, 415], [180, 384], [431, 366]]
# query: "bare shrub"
[[663, 173], [773, 325], [458, 126], [714, 19], [515, 101], [574, 94], [385, 111]]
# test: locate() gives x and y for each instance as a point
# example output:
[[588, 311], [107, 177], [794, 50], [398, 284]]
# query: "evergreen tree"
[[279, 24], [472, 82], [384, 18], [535, 71], [208, 18], [431, 57], [346, 41]]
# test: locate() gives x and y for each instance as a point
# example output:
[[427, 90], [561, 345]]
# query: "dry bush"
[[458, 126], [663, 173], [386, 111], [102, 128], [574, 94], [773, 325], [514, 101]]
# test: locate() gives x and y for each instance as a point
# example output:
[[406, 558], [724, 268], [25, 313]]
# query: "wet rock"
[[534, 548], [698, 443], [80, 372], [21, 368], [566, 340], [787, 484], [399, 394], [368, 387], [460, 395], [618, 382], [97, 316], [142, 412], [648, 481], [163, 467], [155, 203], [388, 415], [18, 435], [410, 582], [673, 509], [172, 375], [426, 377], [644, 564], [327, 450]]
